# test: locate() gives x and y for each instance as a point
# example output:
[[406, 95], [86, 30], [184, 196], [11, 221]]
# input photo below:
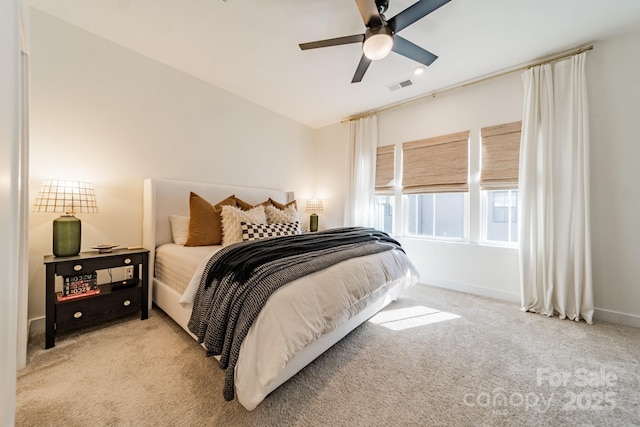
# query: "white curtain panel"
[[361, 171], [555, 242]]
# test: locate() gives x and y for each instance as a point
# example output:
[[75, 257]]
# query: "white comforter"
[[303, 310]]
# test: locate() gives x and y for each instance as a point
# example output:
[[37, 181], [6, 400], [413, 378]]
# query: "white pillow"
[[179, 228], [232, 217], [281, 216]]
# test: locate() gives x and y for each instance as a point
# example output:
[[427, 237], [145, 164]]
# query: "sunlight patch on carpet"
[[411, 317]]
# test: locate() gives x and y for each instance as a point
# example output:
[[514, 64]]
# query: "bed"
[[176, 272]]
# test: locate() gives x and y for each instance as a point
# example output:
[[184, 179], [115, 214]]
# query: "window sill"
[[461, 242]]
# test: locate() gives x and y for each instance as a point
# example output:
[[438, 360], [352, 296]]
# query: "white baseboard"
[[600, 313], [472, 289], [37, 325], [617, 317]]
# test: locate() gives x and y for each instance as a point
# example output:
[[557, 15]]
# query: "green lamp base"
[[66, 236], [313, 222]]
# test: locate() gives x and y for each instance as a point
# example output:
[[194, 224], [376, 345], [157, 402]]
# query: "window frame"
[[392, 200], [484, 218]]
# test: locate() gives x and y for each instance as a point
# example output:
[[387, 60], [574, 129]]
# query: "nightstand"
[[115, 299]]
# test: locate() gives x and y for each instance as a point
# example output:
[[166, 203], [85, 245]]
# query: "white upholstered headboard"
[[164, 197]]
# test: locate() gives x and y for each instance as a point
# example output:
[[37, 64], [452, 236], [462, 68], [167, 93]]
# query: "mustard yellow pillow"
[[269, 202], [281, 206], [243, 205], [205, 224]]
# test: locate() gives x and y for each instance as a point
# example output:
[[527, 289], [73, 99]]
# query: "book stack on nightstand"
[[78, 286]]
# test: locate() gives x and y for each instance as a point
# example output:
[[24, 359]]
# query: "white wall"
[[613, 68], [9, 225], [469, 267], [331, 174], [104, 114], [485, 270]]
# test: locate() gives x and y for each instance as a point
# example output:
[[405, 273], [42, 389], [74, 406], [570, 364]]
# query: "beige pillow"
[[232, 217], [205, 225], [281, 216], [179, 228]]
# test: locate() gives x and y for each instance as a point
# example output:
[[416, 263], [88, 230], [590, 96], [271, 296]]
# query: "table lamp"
[[68, 197], [313, 206]]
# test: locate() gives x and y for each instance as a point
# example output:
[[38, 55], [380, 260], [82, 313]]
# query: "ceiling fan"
[[381, 36]]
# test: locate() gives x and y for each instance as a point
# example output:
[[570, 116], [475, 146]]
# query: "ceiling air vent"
[[400, 85]]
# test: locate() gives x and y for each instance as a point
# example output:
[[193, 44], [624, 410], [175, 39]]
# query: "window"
[[499, 181], [436, 165], [383, 212], [383, 201], [435, 175], [435, 187], [502, 215], [436, 215], [385, 169]]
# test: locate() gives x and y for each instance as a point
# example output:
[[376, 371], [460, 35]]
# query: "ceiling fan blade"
[[357, 38], [414, 13], [369, 12], [405, 48], [362, 68]]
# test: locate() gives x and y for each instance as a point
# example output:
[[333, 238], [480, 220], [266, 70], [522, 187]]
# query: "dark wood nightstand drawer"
[[93, 310], [87, 265]]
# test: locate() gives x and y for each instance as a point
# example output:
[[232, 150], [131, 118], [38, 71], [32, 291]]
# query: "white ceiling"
[[250, 47]]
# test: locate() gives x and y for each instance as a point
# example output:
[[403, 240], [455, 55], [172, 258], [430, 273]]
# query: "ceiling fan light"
[[377, 46]]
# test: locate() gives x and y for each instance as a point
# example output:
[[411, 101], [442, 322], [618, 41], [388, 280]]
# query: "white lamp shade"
[[65, 197], [313, 206]]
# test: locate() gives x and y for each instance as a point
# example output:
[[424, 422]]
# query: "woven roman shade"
[[385, 169], [436, 165], [500, 156]]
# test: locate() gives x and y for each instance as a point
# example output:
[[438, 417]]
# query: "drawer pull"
[[77, 315], [77, 267], [127, 260], [126, 303]]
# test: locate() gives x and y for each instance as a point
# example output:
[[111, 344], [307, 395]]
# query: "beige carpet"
[[470, 361]]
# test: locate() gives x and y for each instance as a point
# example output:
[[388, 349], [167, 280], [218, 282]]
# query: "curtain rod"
[[433, 94]]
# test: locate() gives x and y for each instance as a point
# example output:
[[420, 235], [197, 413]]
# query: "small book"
[[77, 295]]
